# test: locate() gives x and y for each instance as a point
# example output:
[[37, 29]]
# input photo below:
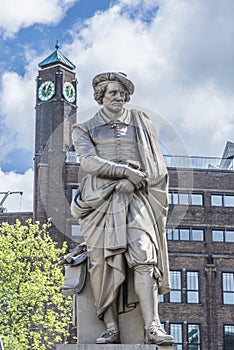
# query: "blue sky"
[[179, 54], [39, 38]]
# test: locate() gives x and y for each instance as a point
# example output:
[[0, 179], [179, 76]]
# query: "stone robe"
[[113, 222]]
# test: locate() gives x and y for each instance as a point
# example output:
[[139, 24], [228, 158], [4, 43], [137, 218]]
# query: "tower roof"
[[56, 57]]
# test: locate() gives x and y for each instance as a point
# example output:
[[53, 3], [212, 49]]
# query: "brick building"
[[199, 309], [200, 230]]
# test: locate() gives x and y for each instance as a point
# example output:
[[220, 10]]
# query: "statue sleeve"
[[90, 162]]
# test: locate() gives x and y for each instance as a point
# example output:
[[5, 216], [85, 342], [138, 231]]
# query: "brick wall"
[[208, 257]]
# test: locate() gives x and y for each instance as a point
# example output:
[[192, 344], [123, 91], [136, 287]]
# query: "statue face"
[[114, 97]]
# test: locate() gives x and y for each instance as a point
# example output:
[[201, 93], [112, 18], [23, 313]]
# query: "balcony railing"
[[185, 162], [211, 163]]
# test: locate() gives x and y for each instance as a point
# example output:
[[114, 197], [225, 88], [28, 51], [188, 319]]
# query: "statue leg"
[[111, 334], [146, 288], [111, 317]]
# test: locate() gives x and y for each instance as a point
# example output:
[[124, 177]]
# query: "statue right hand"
[[134, 175]]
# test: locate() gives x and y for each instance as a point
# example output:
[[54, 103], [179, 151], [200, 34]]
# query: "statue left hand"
[[125, 186]]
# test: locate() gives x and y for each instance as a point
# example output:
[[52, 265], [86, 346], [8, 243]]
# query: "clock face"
[[46, 90], [69, 92]]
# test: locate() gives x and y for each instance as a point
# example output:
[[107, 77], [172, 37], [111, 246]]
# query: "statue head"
[[101, 81]]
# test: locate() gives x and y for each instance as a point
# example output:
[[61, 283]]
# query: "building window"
[[229, 235], [74, 190], [172, 234], [228, 201], [185, 198], [75, 230], [71, 157], [194, 338], [222, 200], [185, 234], [223, 236], [196, 199], [191, 279], [228, 288], [176, 330], [175, 295], [217, 200], [218, 235], [161, 298], [228, 337], [192, 287], [197, 234]]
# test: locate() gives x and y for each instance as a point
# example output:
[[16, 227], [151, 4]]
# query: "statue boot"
[[111, 334], [146, 288], [109, 337], [157, 335]]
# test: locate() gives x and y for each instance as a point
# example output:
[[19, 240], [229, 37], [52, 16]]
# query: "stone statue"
[[122, 208]]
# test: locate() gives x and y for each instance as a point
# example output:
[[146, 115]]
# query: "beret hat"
[[113, 76]]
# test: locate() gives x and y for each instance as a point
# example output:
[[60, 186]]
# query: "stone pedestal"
[[89, 327], [115, 347]]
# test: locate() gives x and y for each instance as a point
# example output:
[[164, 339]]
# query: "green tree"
[[33, 312]]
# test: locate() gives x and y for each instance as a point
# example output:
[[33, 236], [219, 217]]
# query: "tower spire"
[[57, 57], [57, 45]]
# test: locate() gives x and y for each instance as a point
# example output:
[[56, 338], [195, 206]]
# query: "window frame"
[[189, 290], [218, 230], [176, 198], [161, 298], [224, 235], [198, 229], [197, 194], [227, 325], [216, 195], [226, 196], [198, 343], [71, 157], [73, 192], [176, 231], [224, 292], [223, 197], [180, 345], [175, 289], [73, 224], [184, 232]]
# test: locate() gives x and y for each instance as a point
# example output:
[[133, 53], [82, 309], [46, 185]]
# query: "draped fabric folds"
[[110, 220]]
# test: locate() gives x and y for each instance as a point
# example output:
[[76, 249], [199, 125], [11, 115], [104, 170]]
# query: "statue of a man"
[[122, 207]]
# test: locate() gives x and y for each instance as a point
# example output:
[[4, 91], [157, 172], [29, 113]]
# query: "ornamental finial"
[[57, 45]]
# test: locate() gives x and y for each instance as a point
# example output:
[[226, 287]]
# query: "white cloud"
[[17, 182], [17, 14], [139, 5], [181, 61], [17, 102], [17, 106]]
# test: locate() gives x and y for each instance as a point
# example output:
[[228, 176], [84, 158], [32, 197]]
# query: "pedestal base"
[[89, 327], [115, 347]]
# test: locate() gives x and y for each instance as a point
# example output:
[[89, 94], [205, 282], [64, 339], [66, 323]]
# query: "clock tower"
[[55, 166]]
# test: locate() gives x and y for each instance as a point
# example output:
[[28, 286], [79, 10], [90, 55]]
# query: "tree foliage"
[[33, 312]]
